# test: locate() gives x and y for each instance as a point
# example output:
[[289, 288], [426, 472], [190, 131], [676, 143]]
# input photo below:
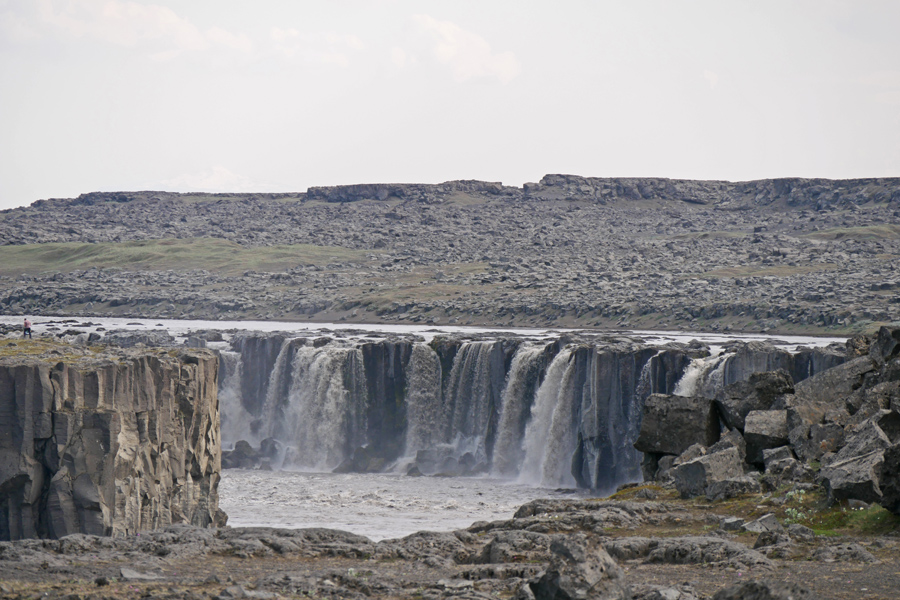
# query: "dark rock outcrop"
[[108, 444], [673, 423]]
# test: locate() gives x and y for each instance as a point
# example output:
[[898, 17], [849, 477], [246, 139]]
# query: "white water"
[[320, 419], [424, 399], [537, 432], [182, 328], [508, 450], [378, 506], [701, 372], [469, 396], [234, 417]]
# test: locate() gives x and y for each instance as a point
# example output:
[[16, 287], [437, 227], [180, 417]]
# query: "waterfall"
[[469, 399], [557, 412], [324, 420], [274, 394], [556, 469], [423, 394], [235, 418], [703, 376], [537, 442], [515, 406]]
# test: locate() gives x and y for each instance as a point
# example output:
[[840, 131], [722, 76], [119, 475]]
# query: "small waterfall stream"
[[423, 399], [515, 409], [537, 442], [703, 377]]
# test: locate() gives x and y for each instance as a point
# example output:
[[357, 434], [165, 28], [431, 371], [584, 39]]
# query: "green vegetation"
[[837, 520], [212, 254], [767, 271], [872, 232]]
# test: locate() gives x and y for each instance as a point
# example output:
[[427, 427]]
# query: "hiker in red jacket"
[[27, 330]]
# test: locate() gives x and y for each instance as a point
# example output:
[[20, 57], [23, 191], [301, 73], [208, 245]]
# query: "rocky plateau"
[[785, 255]]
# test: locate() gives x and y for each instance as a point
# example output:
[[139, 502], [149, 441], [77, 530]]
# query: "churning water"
[[378, 506]]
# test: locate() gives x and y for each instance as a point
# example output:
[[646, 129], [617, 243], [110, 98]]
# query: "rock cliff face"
[[107, 444]]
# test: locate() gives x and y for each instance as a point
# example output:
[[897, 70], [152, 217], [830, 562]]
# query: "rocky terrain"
[[788, 255], [643, 544], [106, 441], [795, 497]]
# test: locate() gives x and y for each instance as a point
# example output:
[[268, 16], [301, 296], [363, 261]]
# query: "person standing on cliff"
[[26, 331]]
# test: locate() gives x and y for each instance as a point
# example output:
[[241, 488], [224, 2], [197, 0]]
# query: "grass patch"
[[839, 520], [870, 232], [212, 254], [773, 271]]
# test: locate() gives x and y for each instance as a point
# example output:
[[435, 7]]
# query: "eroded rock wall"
[[108, 445]]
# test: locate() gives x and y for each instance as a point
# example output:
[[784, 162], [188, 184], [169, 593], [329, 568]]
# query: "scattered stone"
[[731, 488], [844, 553], [764, 590], [764, 523], [692, 478]]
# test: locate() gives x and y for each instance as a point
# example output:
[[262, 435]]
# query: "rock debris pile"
[[839, 429]]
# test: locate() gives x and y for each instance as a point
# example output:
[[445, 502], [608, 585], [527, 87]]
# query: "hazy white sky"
[[280, 95]]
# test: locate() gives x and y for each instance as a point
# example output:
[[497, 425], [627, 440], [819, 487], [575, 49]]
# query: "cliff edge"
[[106, 441]]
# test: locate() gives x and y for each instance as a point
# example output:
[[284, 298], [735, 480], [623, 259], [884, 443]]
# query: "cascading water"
[[423, 398], [515, 407], [556, 469], [234, 417], [557, 412], [469, 398], [537, 441], [281, 369], [323, 419], [703, 376]]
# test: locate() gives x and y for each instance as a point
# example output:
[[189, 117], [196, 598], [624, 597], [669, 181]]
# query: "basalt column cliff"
[[106, 443]]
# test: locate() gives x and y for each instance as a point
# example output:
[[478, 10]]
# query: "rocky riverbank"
[[789, 255], [644, 544]]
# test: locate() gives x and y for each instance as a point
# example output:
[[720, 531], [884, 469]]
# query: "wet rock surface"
[[777, 255]]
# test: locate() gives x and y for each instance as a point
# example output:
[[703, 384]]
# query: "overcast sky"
[[280, 95]]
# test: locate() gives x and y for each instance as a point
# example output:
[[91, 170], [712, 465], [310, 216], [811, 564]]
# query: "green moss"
[[837, 520]]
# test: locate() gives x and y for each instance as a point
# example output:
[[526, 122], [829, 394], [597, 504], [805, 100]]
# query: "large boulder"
[[580, 568], [759, 392], [862, 439], [889, 479], [815, 396], [694, 477], [673, 423], [854, 478], [886, 344], [764, 429]]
